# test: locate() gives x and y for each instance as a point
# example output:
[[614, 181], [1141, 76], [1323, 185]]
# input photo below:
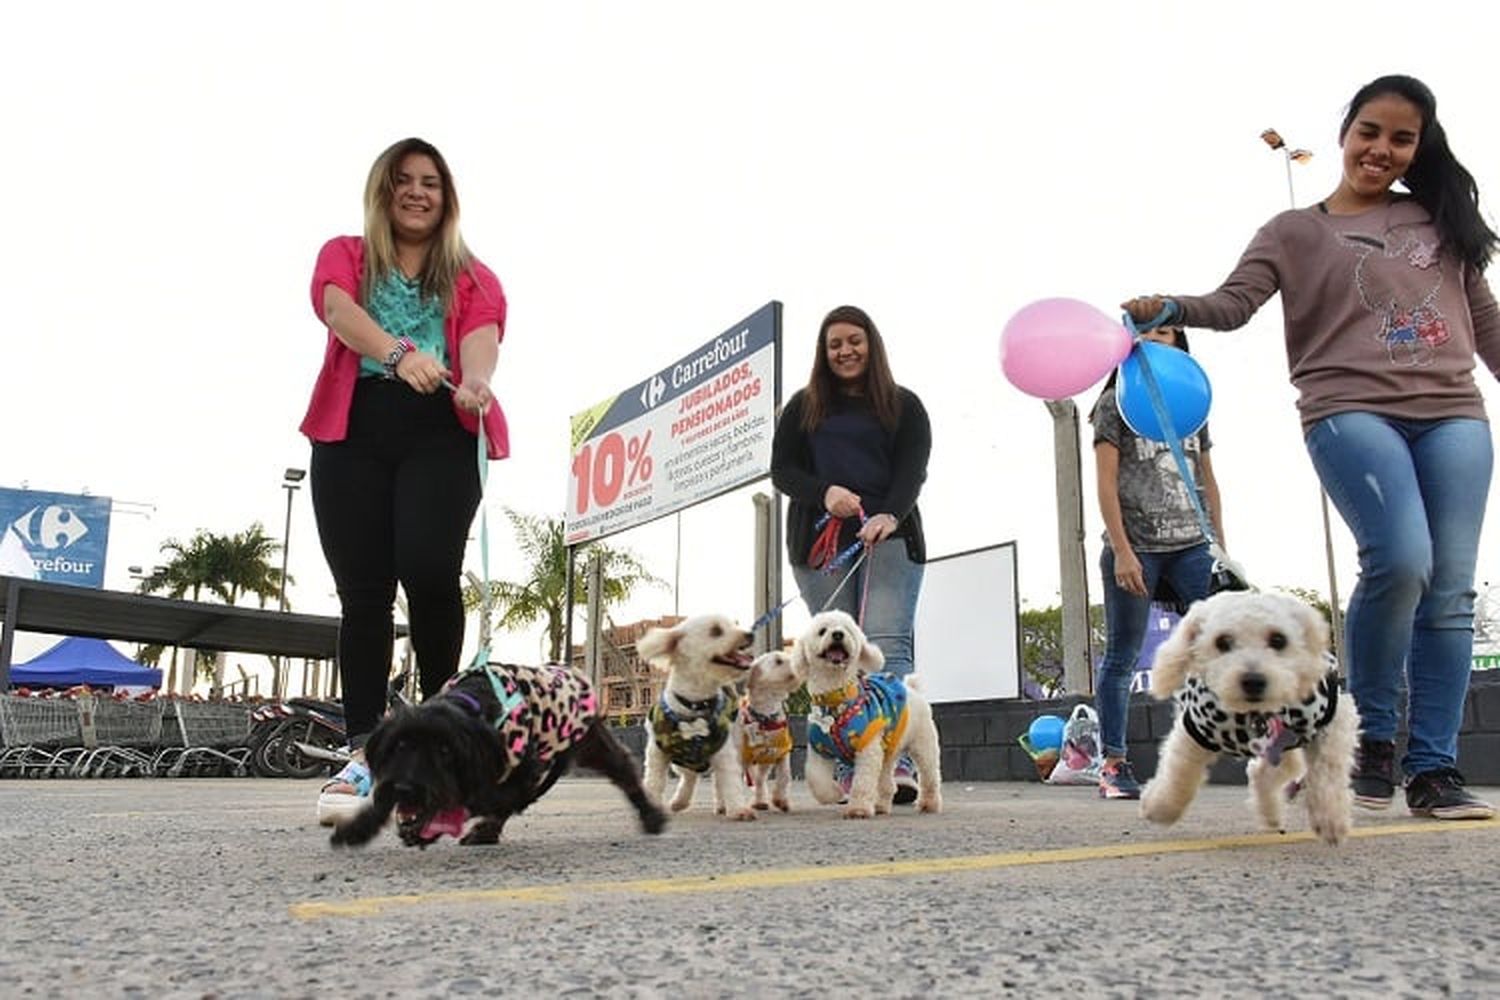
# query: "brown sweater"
[[1376, 319]]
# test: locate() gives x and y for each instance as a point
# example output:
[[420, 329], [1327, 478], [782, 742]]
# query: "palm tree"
[[227, 566], [543, 593]]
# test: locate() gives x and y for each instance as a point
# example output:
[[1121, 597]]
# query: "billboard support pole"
[[1072, 559]]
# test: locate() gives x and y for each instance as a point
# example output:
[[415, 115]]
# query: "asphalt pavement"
[[228, 888]]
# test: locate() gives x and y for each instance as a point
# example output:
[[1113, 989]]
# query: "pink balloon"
[[1056, 348]]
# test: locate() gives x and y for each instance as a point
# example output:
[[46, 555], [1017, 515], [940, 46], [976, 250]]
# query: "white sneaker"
[[336, 807]]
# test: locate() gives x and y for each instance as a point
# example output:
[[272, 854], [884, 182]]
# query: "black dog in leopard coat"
[[493, 742]]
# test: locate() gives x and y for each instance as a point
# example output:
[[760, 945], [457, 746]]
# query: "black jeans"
[[394, 501]]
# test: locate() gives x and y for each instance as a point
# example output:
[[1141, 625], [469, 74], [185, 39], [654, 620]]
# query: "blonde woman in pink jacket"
[[410, 312]]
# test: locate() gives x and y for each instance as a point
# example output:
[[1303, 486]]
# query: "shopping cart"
[[214, 739], [121, 735], [42, 736]]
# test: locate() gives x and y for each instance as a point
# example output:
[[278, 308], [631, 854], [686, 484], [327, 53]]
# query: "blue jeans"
[[890, 606], [1125, 618], [1413, 493]]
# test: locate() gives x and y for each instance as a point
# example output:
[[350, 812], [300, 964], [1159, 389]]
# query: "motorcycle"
[[323, 746], [306, 737]]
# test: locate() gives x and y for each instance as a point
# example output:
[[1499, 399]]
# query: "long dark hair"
[[879, 387], [1435, 178]]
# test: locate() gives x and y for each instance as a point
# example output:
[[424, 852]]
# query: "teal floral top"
[[398, 306]]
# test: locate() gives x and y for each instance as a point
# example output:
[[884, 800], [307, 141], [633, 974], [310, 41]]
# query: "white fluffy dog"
[[762, 730], [1253, 679], [691, 722], [864, 717]]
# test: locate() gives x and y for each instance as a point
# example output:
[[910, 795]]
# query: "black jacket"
[[793, 474]]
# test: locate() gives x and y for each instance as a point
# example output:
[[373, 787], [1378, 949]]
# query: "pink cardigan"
[[477, 301]]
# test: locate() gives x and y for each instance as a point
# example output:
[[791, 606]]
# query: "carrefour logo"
[[53, 527]]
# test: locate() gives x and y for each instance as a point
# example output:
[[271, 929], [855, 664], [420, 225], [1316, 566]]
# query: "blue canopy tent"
[[76, 660]]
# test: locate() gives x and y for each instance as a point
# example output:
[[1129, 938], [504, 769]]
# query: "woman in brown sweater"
[[1385, 306]]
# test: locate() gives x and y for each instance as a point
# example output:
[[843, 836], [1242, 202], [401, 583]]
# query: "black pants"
[[394, 501]]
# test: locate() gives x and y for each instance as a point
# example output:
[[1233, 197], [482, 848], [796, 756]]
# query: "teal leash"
[[480, 664]]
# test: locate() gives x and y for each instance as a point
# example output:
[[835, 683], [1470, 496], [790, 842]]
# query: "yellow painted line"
[[785, 877], [220, 810]]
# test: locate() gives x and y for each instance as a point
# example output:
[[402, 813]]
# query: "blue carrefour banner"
[[57, 537]]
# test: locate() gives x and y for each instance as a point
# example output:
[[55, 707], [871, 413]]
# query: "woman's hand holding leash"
[[473, 395], [877, 529], [841, 502], [421, 371], [1150, 311]]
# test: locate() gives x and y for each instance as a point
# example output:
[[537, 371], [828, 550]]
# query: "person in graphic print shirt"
[[1385, 306], [1152, 541]]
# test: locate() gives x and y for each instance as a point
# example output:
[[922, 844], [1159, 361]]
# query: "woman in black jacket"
[[853, 444]]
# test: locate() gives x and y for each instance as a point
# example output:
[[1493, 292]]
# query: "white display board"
[[968, 642]]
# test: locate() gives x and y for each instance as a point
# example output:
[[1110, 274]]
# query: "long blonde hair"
[[447, 254]]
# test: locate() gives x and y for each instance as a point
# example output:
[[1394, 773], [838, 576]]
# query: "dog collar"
[[469, 700], [708, 706], [776, 720], [509, 699]]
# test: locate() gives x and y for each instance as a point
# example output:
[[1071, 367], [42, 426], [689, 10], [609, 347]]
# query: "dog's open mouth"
[[419, 825], [739, 661], [835, 652]]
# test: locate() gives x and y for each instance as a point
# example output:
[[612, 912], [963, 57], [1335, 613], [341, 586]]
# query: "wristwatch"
[[403, 346]]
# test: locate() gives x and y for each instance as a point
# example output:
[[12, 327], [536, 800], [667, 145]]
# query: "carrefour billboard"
[[56, 537]]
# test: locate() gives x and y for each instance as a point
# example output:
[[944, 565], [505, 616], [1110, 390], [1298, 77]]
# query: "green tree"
[[1042, 645], [542, 594], [229, 567]]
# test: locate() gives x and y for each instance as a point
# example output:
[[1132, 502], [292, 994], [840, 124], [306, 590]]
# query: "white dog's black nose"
[[837, 635], [1254, 686]]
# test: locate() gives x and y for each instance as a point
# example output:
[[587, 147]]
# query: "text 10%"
[[602, 472]]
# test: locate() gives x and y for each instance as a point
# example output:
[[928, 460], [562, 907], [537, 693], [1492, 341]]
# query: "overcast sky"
[[641, 176]]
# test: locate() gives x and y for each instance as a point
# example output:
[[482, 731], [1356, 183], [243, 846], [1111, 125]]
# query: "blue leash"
[[1164, 420], [830, 569]]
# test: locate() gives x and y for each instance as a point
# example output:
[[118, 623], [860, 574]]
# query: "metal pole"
[[1067, 461], [286, 541], [1333, 580]]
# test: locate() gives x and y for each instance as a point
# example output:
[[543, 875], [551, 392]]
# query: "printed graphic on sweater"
[[1398, 278]]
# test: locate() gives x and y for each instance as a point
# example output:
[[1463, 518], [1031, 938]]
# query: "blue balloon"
[[1184, 390], [1045, 733]]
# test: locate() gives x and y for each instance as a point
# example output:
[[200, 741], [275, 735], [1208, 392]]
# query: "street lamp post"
[[289, 482], [1273, 139]]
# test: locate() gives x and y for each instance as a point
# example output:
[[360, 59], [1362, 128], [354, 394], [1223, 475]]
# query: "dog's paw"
[[653, 820], [930, 803], [483, 832], [1331, 830], [782, 804], [761, 805], [1156, 807], [858, 812]]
